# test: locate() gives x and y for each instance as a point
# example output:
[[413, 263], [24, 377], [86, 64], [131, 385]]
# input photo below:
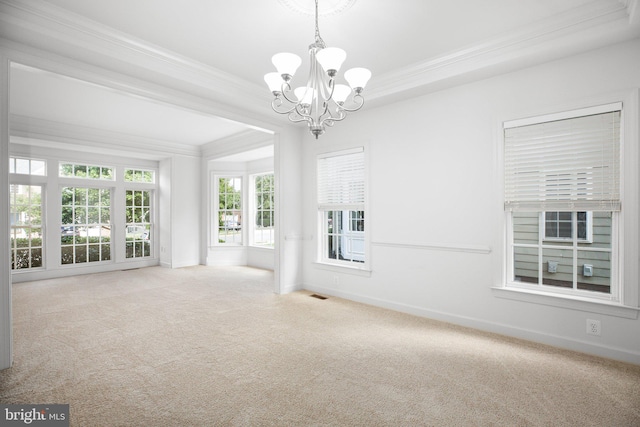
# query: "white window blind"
[[341, 180], [564, 164]]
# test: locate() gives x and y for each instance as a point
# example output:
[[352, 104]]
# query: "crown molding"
[[38, 132], [562, 33], [50, 28], [235, 144]]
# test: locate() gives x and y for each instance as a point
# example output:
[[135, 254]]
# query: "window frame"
[[254, 210], [588, 226], [112, 178], [43, 231], [628, 306], [563, 245], [150, 240], [322, 258], [215, 219], [88, 186], [32, 179], [13, 168]]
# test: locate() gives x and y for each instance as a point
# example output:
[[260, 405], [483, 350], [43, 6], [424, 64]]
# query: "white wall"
[[185, 210], [164, 207], [435, 202], [6, 342], [289, 201]]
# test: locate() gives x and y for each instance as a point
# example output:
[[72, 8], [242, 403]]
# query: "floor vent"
[[317, 296]]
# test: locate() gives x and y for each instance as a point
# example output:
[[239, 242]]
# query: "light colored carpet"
[[209, 346]]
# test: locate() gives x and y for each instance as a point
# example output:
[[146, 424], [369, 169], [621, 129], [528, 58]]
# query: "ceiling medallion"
[[328, 7]]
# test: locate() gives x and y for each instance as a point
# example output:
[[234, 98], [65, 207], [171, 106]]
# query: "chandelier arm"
[[277, 102], [305, 116], [356, 98], [286, 87], [330, 121], [294, 119]]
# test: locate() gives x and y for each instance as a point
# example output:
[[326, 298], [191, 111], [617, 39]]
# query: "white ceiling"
[[50, 96], [409, 45]]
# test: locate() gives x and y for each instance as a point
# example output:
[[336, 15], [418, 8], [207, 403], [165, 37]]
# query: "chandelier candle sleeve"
[[322, 102]]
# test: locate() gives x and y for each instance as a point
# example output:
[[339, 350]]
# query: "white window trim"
[[13, 160], [252, 211], [628, 248], [321, 260], [111, 180], [215, 208], [43, 201], [588, 239]]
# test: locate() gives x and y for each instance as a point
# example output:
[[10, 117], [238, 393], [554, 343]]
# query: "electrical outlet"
[[593, 327]]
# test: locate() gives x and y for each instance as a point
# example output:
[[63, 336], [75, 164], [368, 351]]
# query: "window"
[[341, 207], [27, 166], [85, 232], [563, 232], [26, 226], [263, 234], [74, 170], [230, 210], [345, 235], [560, 226], [138, 223], [139, 175]]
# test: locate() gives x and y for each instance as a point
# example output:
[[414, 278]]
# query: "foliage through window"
[[74, 170], [26, 238], [85, 231], [138, 223], [230, 210], [139, 175], [264, 210]]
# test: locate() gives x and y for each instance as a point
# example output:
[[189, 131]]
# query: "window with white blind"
[[341, 207], [562, 200]]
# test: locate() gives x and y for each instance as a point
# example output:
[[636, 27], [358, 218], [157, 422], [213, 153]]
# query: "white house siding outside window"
[[341, 207], [562, 200]]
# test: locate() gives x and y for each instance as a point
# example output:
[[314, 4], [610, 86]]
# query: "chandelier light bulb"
[[340, 93], [357, 78], [286, 63], [274, 81], [321, 103], [331, 59]]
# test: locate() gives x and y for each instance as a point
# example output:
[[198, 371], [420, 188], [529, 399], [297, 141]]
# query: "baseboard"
[[291, 288], [608, 352]]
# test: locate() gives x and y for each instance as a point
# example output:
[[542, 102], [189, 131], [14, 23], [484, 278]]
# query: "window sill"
[[567, 301], [358, 271], [266, 248]]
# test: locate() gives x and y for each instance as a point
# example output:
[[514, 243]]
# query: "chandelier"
[[322, 102]]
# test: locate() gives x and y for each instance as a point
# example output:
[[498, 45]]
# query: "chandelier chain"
[[318, 37]]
